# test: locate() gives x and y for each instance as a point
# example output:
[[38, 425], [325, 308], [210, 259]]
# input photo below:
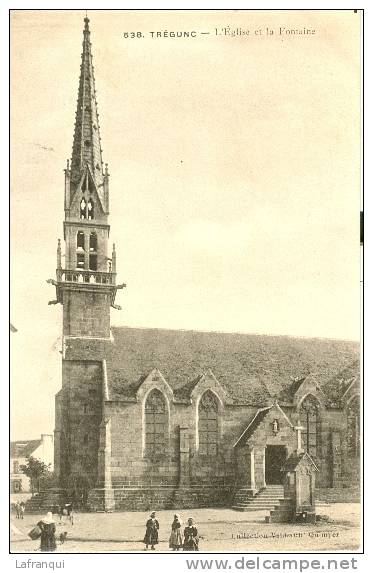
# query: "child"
[[190, 536], [151, 535], [175, 537]]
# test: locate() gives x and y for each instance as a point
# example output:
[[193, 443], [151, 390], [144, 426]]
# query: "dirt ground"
[[219, 530]]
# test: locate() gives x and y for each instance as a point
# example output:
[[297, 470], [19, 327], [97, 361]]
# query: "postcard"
[[185, 280]]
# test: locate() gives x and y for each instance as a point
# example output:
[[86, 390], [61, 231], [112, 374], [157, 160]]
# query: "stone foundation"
[[101, 499], [160, 497]]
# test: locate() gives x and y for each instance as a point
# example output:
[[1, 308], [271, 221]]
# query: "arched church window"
[[353, 427], [80, 250], [80, 241], [83, 209], [310, 420], [93, 252], [90, 210], [208, 424], [93, 243], [155, 424]]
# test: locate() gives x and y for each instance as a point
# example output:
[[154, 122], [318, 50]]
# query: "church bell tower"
[[86, 282], [86, 287]]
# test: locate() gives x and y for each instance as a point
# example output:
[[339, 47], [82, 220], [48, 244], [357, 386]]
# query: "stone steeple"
[[86, 282], [86, 144]]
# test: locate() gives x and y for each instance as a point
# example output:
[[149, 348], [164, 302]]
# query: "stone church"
[[168, 418]]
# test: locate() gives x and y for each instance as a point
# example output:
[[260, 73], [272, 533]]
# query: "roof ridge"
[[233, 332]]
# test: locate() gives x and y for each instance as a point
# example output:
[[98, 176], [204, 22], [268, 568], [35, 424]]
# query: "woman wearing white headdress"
[[176, 541], [48, 533], [190, 536], [151, 534]]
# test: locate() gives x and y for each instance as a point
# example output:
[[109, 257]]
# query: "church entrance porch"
[[275, 457], [263, 447]]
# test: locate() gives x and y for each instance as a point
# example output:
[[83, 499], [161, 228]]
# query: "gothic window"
[[208, 424], [353, 427], [80, 250], [83, 209], [155, 424], [80, 261], [87, 209], [93, 252], [310, 420], [90, 210], [80, 241], [93, 242]]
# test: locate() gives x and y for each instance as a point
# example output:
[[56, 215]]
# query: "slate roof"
[[23, 448], [253, 369], [254, 424], [339, 384], [294, 460]]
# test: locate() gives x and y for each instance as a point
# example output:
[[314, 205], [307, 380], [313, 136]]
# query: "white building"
[[41, 449]]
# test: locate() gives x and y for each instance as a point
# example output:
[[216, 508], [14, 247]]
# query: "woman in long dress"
[[48, 533], [151, 534], [175, 538], [190, 536]]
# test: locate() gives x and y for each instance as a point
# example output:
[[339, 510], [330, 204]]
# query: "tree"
[[35, 470]]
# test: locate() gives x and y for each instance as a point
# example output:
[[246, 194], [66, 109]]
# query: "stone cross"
[[298, 428]]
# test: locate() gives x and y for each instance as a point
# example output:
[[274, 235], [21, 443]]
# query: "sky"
[[234, 176]]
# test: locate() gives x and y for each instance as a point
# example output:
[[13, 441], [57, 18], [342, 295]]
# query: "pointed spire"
[[86, 144]]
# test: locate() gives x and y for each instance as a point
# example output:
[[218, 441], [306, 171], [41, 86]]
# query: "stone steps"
[[265, 500], [45, 501]]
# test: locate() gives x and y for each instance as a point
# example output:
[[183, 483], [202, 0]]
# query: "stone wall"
[[130, 466], [80, 403], [80, 410], [86, 313], [163, 497], [331, 450]]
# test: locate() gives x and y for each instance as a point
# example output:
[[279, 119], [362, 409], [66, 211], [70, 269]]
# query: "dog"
[[63, 537]]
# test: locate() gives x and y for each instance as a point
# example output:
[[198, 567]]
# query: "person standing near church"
[[22, 508], [17, 508], [48, 533], [190, 536], [151, 534], [175, 538]]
